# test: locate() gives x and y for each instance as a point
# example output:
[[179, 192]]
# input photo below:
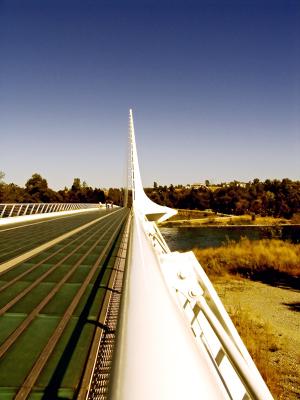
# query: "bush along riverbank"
[[194, 218], [268, 260]]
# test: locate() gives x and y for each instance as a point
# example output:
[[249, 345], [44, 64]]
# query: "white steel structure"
[[175, 339]]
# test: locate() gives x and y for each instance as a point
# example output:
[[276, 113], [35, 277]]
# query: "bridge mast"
[[175, 339], [141, 203]]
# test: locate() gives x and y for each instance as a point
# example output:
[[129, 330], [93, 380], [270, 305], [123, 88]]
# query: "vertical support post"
[[11, 211], [20, 208], [3, 211]]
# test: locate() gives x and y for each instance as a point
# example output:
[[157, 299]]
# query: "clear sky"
[[214, 85]]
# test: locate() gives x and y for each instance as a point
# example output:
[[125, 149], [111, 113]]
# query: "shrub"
[[252, 258]]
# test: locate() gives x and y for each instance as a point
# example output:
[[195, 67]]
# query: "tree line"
[[277, 198], [36, 190]]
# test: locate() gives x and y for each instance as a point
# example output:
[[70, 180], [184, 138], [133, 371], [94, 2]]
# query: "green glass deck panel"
[[79, 275], [33, 298], [66, 365], [61, 271], [14, 272], [8, 323], [106, 276], [8, 393], [62, 373], [33, 222], [91, 303], [11, 292], [33, 275], [18, 361], [71, 260], [60, 302], [17, 241]]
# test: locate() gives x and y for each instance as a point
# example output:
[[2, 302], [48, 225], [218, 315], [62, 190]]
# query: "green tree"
[[37, 188], [242, 207], [76, 185], [115, 196]]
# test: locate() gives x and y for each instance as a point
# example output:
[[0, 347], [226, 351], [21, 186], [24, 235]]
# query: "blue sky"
[[214, 86]]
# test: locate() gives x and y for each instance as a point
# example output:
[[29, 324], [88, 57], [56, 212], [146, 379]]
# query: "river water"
[[185, 238]]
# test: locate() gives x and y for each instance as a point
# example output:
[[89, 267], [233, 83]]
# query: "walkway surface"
[[50, 303], [17, 238]]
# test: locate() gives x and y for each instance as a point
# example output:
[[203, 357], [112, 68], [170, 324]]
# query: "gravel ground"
[[279, 308]]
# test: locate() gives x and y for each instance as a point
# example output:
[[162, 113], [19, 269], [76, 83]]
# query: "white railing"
[[236, 376], [212, 328], [208, 319], [20, 209]]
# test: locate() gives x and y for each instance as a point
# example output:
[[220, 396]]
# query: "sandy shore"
[[279, 309]]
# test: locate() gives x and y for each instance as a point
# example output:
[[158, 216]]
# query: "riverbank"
[[269, 260], [259, 285], [266, 312], [195, 218], [268, 321]]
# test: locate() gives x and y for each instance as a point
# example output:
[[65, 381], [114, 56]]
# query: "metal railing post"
[[11, 211], [3, 211], [20, 208]]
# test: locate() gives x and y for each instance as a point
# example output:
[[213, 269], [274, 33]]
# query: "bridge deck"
[[50, 305], [17, 238]]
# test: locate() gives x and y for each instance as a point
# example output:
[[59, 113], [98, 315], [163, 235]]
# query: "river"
[[185, 238]]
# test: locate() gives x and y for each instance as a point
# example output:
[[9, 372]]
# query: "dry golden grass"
[[270, 260], [261, 344], [248, 220], [252, 258], [199, 218], [271, 221]]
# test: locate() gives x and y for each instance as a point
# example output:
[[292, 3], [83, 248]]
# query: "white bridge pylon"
[[141, 202], [175, 340]]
